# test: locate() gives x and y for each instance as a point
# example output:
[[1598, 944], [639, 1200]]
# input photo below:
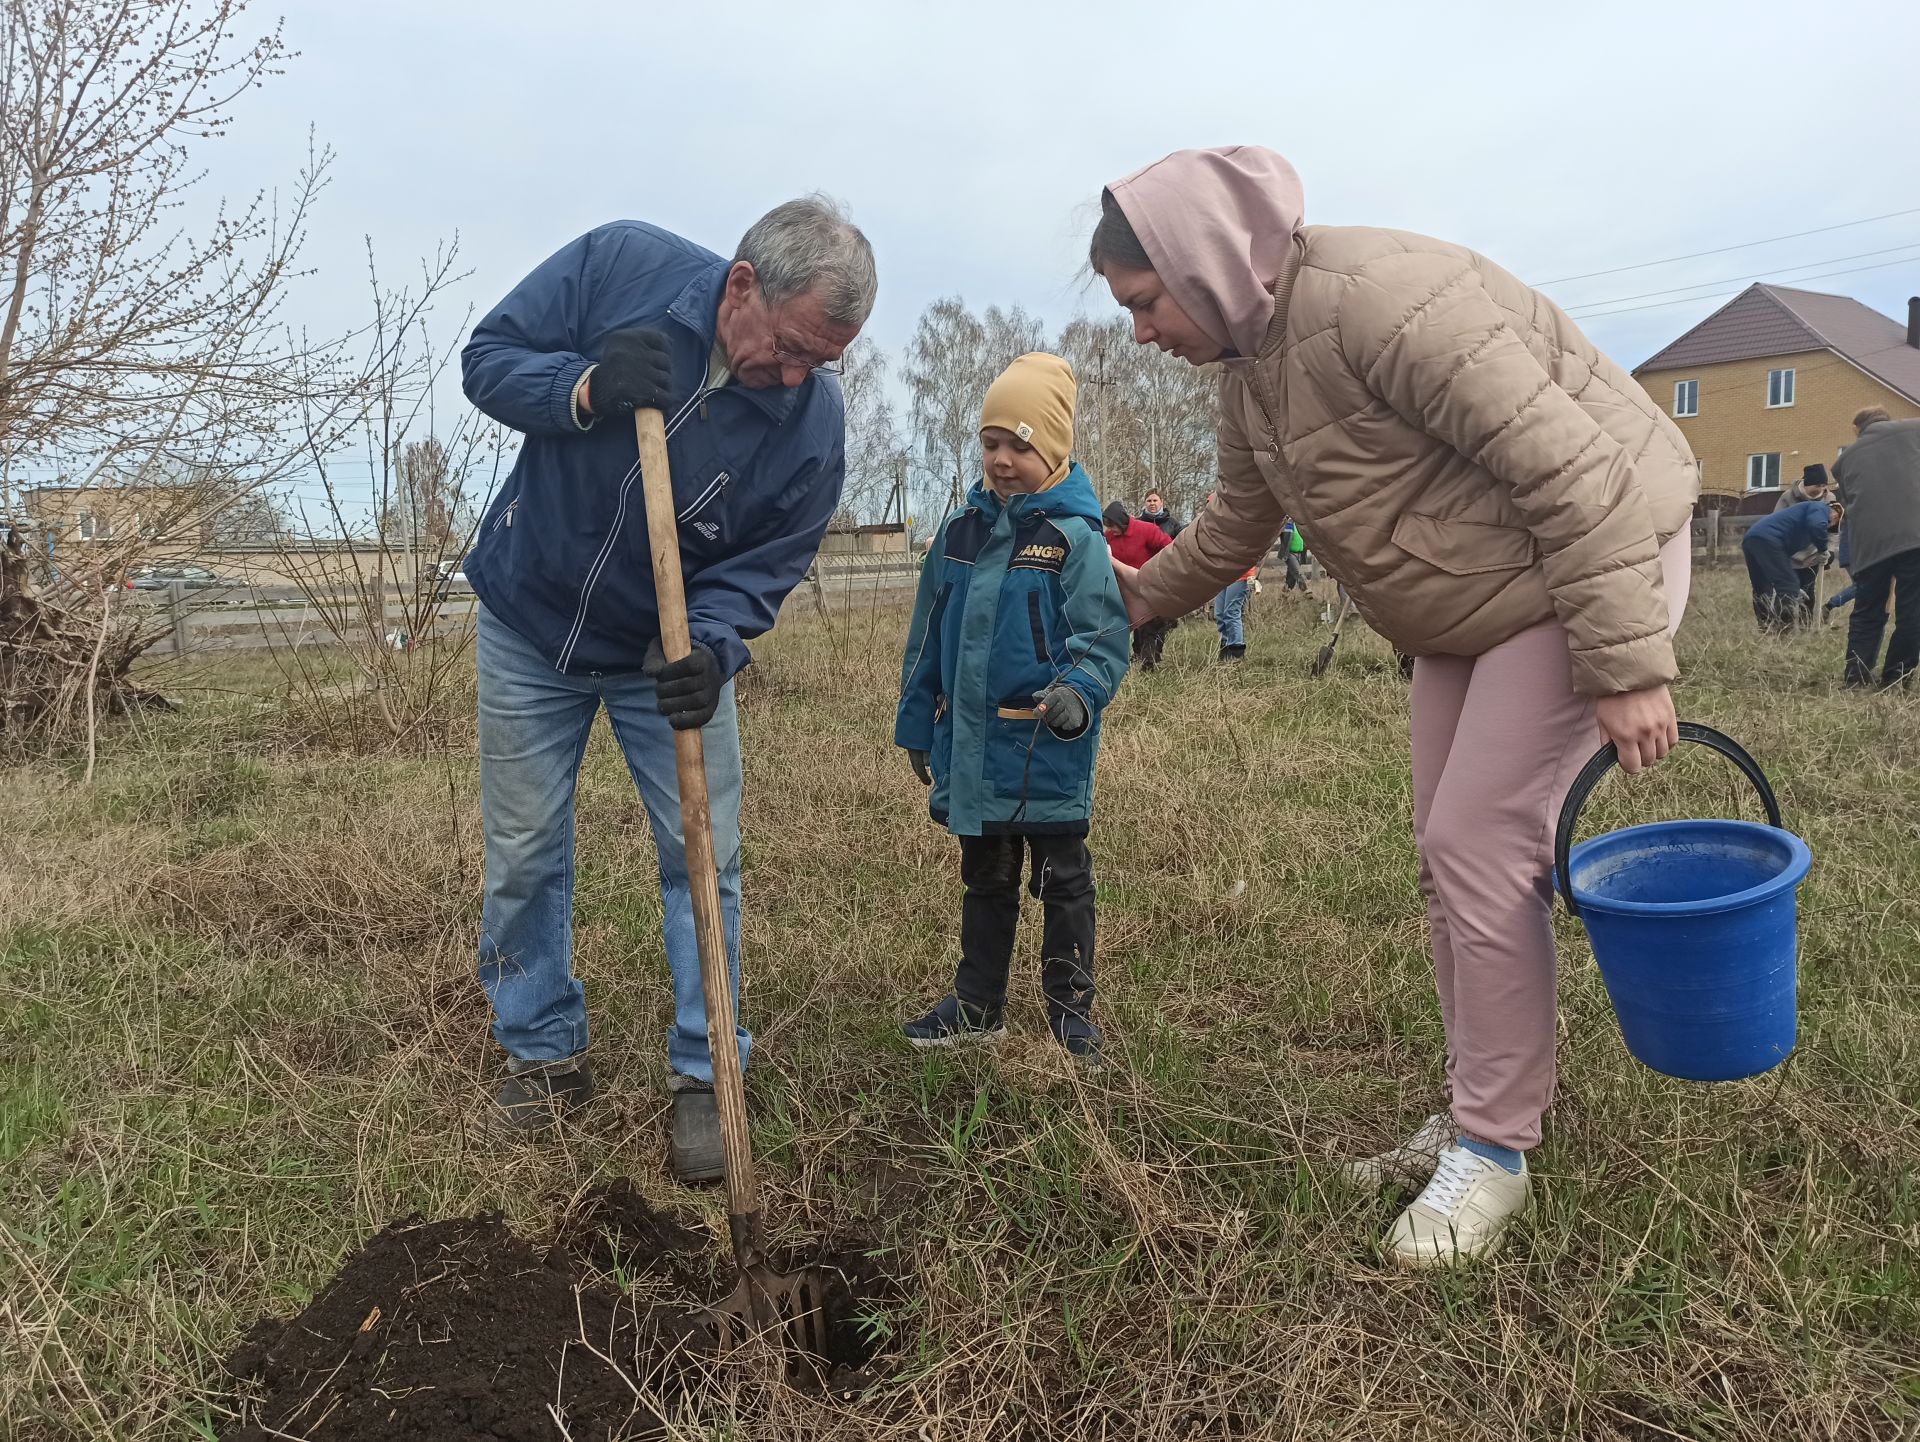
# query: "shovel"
[[1325, 658], [773, 1305]]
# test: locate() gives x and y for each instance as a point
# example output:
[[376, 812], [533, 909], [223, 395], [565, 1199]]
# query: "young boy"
[[1018, 641]]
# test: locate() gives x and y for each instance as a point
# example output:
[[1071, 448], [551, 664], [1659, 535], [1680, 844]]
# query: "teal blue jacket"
[[1013, 597]]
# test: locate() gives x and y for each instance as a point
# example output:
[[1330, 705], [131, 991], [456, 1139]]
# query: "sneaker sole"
[[958, 1038], [1435, 1260]]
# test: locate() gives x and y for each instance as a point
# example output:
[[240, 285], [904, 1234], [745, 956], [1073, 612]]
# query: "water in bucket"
[[1694, 927]]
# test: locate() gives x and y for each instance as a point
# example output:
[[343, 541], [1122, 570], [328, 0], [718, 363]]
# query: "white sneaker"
[[1412, 1162], [1463, 1213]]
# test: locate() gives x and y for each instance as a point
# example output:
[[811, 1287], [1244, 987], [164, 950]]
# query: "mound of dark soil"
[[455, 1330]]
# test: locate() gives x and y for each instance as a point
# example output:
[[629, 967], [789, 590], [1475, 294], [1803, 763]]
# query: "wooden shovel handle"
[[696, 824]]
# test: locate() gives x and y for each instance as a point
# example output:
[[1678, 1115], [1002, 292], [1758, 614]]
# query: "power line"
[[1722, 250], [1714, 295], [1587, 305]]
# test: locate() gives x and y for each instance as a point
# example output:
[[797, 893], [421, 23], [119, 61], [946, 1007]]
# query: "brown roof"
[[1770, 320]]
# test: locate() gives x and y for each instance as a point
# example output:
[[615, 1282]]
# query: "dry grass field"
[[238, 1033]]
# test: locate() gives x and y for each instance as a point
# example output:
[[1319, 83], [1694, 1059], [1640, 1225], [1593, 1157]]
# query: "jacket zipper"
[[613, 535], [1038, 627], [934, 614], [715, 489], [505, 518]]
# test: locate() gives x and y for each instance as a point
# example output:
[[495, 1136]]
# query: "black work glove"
[[688, 690], [920, 768], [1062, 708], [635, 372]]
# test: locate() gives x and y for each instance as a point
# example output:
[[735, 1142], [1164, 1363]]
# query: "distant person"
[[1015, 648], [738, 355], [1293, 547], [1229, 616], [1773, 546], [1132, 539], [1812, 486], [1879, 478], [1843, 558], [1155, 513], [1503, 502]]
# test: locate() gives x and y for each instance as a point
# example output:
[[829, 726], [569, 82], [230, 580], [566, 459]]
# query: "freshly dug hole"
[[452, 1330]]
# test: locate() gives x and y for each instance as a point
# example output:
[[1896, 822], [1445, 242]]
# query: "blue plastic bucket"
[[1694, 927]]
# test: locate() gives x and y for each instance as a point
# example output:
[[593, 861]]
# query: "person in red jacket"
[[1132, 540]]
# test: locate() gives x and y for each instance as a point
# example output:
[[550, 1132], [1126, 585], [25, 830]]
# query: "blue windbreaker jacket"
[[1793, 529], [1013, 597], [562, 553]]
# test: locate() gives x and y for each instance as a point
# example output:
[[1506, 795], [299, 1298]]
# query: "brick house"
[[1768, 384]]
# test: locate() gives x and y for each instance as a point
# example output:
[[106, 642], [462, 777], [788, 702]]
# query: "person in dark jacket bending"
[[738, 355], [1771, 546], [1812, 486]]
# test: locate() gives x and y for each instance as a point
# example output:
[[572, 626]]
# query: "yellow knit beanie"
[[1033, 398]]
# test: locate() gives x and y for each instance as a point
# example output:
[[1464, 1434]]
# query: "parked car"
[[450, 580], [164, 577]]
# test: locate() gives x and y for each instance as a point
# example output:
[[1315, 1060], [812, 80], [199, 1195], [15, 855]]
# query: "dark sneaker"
[[698, 1157], [536, 1095], [1076, 1033], [952, 1021], [1230, 654]]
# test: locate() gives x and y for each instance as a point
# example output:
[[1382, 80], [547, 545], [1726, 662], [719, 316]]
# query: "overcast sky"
[[971, 140]]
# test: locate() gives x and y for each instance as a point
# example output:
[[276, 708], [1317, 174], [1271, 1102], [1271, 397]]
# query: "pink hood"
[[1217, 225]]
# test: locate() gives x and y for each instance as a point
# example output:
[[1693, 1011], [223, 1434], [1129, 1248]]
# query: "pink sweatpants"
[[1497, 740]]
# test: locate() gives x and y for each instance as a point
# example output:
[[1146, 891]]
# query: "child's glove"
[[919, 760], [1062, 709]]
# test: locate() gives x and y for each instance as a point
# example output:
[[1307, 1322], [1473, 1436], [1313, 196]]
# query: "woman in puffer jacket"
[[1502, 502]]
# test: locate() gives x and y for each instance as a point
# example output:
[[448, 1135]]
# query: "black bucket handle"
[[1607, 757]]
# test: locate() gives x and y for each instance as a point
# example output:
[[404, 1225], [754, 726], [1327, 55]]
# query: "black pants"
[[1900, 575], [1776, 586], [1295, 580], [1062, 879], [1149, 640]]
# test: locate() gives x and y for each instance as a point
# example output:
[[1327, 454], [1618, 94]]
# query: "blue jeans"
[[534, 723], [1227, 607]]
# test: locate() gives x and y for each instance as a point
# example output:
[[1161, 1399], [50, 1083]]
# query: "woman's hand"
[[1640, 724], [1138, 611]]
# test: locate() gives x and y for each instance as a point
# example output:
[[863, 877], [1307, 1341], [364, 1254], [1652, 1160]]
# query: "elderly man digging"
[[739, 355]]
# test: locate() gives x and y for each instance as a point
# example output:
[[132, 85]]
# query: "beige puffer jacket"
[[1456, 451]]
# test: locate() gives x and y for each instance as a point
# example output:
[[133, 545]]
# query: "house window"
[[1763, 472], [1780, 388], [86, 525], [1686, 398]]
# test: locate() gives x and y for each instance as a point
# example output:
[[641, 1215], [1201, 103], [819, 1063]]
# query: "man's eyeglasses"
[[789, 358]]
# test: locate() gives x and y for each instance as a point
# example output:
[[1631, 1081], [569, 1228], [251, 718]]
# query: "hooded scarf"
[[1217, 225]]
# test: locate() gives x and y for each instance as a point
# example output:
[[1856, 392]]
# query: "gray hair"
[[810, 247]]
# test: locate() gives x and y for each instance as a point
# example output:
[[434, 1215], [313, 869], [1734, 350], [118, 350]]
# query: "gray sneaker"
[[1412, 1162], [537, 1094], [698, 1157]]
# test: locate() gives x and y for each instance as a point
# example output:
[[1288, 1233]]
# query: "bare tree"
[[429, 511], [133, 352], [952, 359], [876, 451], [946, 377], [1145, 421], [383, 600]]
